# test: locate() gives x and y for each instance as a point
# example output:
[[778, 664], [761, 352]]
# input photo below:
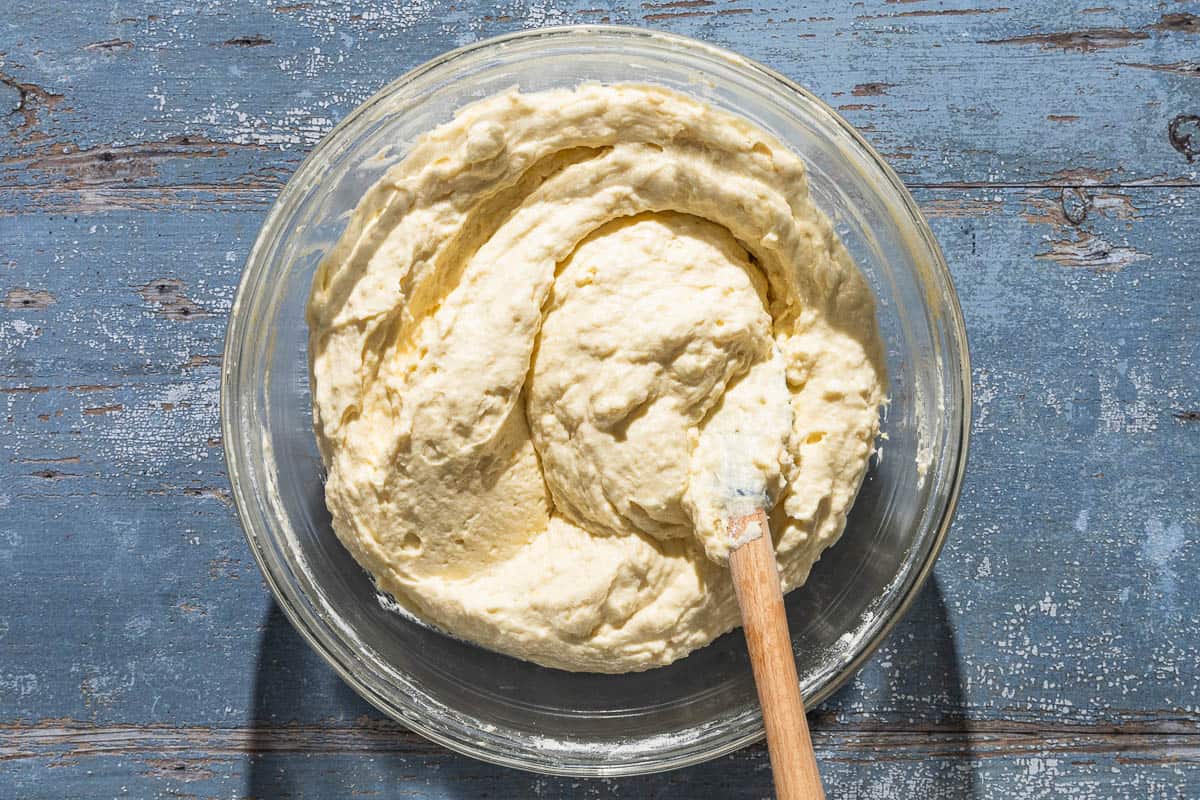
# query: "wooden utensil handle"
[[756, 581]]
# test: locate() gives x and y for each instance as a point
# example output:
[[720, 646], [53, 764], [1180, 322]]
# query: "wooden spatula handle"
[[756, 580]]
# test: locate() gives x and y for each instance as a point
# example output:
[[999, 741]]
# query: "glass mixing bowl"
[[512, 712]]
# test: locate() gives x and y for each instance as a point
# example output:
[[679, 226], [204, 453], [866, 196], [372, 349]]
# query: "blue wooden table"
[[1053, 145]]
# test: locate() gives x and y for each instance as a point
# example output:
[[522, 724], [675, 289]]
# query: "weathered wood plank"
[[1062, 597], [303, 762], [233, 94]]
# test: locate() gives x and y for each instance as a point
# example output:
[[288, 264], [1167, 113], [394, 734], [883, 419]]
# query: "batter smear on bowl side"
[[529, 337]]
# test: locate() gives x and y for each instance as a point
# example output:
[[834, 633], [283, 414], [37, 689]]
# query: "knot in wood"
[[1075, 204], [1184, 135]]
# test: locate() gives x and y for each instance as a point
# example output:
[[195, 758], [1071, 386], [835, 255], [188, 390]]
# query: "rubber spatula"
[[738, 447]]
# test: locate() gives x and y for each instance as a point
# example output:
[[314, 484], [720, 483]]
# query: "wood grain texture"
[[1053, 147]]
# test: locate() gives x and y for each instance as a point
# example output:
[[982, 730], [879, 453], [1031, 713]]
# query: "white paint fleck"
[[1119, 413], [19, 684], [985, 391]]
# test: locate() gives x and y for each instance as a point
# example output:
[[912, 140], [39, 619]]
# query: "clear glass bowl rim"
[[426, 721]]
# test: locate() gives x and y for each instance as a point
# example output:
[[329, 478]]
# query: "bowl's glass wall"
[[508, 710]]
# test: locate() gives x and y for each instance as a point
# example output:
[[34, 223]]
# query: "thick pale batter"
[[527, 347]]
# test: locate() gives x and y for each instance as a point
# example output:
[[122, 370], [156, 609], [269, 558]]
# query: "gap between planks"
[[57, 740]]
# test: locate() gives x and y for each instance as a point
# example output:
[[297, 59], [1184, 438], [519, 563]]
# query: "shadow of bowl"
[[313, 737]]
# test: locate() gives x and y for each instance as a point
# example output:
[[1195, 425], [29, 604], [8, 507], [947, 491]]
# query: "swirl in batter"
[[524, 348]]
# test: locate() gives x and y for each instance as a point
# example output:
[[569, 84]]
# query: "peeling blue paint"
[[1054, 656]]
